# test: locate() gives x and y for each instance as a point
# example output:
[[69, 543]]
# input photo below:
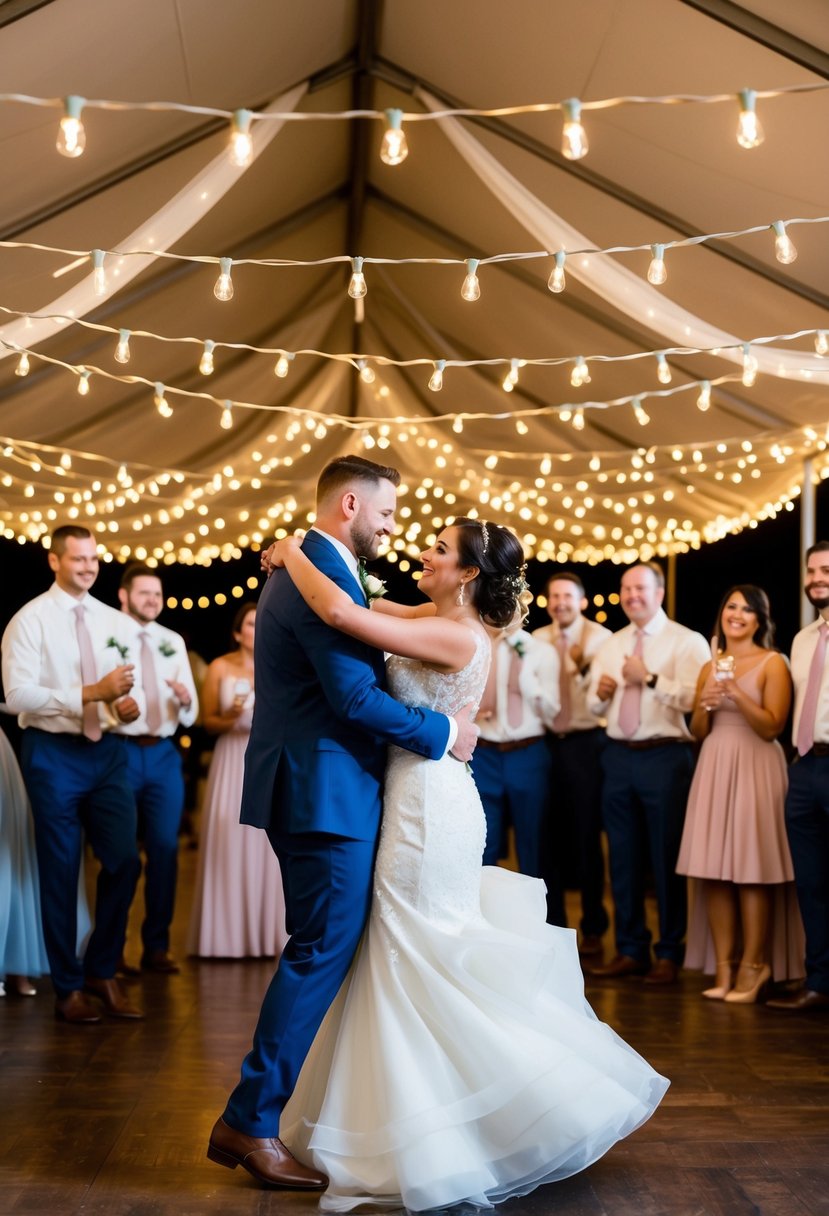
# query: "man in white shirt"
[[576, 739], [643, 680], [807, 801], [511, 765], [154, 766], [74, 765]]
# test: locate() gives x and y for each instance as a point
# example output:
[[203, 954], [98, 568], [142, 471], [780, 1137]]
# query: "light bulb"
[[784, 249], [226, 421], [224, 284], [436, 378], [750, 367], [122, 350], [83, 383], [457, 426], [639, 412], [22, 368], [357, 285], [511, 378], [578, 420], [394, 148], [657, 274], [99, 279], [581, 373], [367, 374], [704, 398], [663, 371], [750, 132], [66, 461], [557, 281], [821, 342], [71, 139], [573, 136], [241, 143], [283, 365], [471, 289], [206, 361], [161, 401]]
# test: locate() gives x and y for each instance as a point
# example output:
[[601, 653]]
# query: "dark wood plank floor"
[[112, 1120]]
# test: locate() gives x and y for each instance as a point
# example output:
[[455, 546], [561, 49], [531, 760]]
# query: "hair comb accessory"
[[484, 534]]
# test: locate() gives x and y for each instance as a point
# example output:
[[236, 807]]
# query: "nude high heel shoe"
[[724, 976], [749, 996]]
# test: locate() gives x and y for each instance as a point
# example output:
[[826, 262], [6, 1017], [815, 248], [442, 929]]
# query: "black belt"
[[568, 734], [817, 749], [644, 745], [145, 740], [509, 745]]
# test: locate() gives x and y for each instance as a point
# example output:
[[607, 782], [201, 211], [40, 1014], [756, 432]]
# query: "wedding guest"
[[74, 765], [238, 908], [576, 740], [154, 765], [643, 680], [22, 949], [745, 926], [807, 802], [511, 764]]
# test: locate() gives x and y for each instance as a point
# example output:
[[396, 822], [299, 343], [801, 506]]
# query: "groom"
[[313, 779]]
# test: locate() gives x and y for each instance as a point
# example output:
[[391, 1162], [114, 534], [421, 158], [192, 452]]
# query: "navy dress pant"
[[155, 774], [807, 826], [515, 789]]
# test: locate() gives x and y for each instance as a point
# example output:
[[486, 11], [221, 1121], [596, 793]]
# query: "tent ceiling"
[[184, 487]]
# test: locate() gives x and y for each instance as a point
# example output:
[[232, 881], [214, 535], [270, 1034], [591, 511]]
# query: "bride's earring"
[[459, 599]]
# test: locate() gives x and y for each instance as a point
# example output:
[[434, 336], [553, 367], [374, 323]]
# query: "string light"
[[749, 366], [557, 281], [71, 139], [511, 378], [436, 378], [283, 365], [471, 289], [367, 373], [581, 373], [357, 284], [83, 382], [750, 132], [22, 368], [457, 426], [224, 284], [663, 370], [657, 274], [226, 421], [642, 417], [161, 403], [206, 361], [578, 420], [784, 249], [821, 342], [394, 148], [122, 350], [99, 279], [241, 144], [573, 136], [704, 398]]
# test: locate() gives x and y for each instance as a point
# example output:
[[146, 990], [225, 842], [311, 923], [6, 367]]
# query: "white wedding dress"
[[460, 1062]]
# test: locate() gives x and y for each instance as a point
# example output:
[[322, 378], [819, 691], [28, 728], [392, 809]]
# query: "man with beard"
[[313, 774], [153, 761], [807, 802]]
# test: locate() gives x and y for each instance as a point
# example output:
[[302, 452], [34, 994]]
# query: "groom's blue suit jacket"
[[322, 718]]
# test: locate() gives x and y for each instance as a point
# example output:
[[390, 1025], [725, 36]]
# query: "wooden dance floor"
[[113, 1120]]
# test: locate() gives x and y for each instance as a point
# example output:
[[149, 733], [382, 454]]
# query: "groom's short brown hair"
[[340, 473]]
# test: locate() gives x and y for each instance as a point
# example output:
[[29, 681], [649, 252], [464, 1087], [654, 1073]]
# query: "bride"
[[460, 1061]]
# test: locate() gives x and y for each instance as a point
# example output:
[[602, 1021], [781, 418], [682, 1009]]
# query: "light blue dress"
[[22, 951]]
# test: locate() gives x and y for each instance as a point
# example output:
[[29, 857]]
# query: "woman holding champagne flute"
[[238, 908], [744, 925]]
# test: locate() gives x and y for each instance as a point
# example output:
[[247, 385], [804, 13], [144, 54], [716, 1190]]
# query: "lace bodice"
[[413, 683]]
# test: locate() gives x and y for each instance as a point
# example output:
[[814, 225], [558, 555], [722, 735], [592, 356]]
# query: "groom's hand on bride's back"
[[464, 745]]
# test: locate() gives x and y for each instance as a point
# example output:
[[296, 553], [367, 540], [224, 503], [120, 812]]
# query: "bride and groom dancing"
[[455, 1058]]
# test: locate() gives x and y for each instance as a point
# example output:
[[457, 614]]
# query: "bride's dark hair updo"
[[500, 587]]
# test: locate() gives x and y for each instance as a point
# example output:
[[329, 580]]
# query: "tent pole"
[[807, 533], [670, 587]]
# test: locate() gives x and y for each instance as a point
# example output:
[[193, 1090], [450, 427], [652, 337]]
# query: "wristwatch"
[[651, 679]]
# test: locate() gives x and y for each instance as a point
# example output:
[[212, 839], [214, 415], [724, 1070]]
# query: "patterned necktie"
[[515, 701], [630, 707], [89, 675], [149, 681], [561, 722], [808, 714]]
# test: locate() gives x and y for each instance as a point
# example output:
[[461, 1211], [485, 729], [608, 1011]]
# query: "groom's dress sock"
[[267, 1159]]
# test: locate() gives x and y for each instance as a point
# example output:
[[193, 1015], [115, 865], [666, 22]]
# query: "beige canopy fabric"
[[610, 469]]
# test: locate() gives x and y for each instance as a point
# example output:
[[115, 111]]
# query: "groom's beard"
[[366, 542]]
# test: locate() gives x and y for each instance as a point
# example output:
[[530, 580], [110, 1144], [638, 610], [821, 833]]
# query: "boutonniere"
[[166, 649], [519, 647], [120, 647], [373, 587]]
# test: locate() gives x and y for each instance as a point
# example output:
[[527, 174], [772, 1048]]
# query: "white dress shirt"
[[42, 661], [590, 636], [538, 684], [169, 656], [674, 655], [803, 648]]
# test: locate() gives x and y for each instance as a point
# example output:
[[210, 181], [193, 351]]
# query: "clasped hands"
[[634, 671]]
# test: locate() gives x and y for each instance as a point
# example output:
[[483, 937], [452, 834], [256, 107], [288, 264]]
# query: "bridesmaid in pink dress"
[[744, 925], [238, 908]]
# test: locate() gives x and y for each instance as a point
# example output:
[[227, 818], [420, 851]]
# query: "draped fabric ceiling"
[[655, 479]]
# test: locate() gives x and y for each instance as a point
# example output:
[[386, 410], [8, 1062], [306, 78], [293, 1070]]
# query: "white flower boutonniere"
[[166, 649], [373, 587], [120, 647]]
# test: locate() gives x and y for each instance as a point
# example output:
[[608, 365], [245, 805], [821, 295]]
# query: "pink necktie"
[[149, 681], [561, 722], [808, 714], [89, 675], [515, 702], [630, 707]]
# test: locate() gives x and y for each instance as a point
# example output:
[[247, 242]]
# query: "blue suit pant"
[[78, 787], [807, 826], [515, 789], [156, 778], [328, 883]]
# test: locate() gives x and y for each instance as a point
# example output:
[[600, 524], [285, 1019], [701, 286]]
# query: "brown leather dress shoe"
[[664, 971], [126, 970], [76, 1008], [161, 961], [115, 999], [803, 1001], [267, 1159], [590, 944], [618, 967]]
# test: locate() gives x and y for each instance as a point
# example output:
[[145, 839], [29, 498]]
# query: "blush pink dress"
[[238, 907], [735, 832]]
